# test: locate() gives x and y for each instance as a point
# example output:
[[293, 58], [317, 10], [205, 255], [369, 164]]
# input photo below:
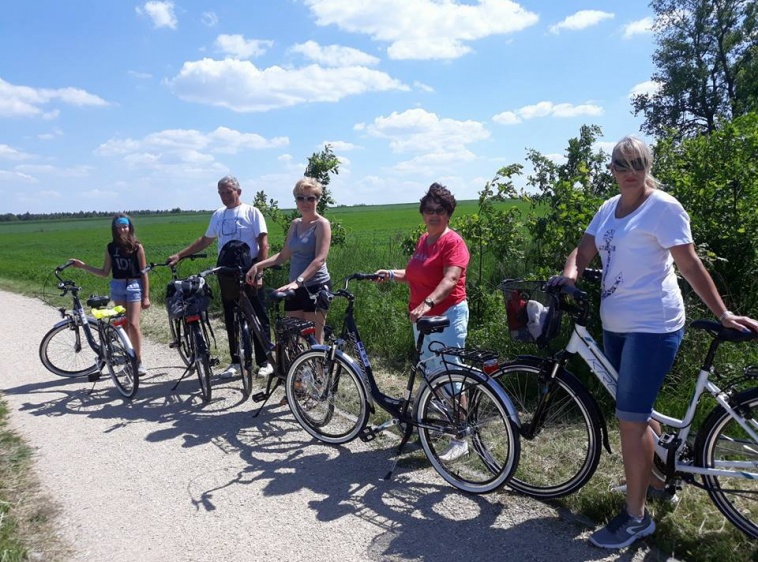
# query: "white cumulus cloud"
[[241, 86], [161, 13], [424, 29], [546, 109], [334, 55], [10, 153], [239, 47], [581, 20], [25, 101], [639, 27], [649, 87]]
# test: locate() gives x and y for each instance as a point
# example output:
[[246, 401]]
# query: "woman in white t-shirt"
[[640, 234]]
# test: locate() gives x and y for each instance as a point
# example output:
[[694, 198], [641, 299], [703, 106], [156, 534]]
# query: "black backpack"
[[234, 253]]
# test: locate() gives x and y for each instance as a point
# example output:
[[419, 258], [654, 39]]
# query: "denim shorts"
[[126, 290], [642, 361], [452, 336]]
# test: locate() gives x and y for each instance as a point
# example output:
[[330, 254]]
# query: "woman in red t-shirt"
[[436, 274]]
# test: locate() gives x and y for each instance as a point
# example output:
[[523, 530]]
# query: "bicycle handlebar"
[[60, 268], [153, 265]]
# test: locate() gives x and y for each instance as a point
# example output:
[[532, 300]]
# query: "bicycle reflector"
[[490, 366], [121, 322], [309, 331], [192, 318]]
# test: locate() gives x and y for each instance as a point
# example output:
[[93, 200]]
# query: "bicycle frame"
[[582, 343]]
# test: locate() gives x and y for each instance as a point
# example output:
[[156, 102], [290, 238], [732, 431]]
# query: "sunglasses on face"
[[434, 211], [309, 198], [638, 165]]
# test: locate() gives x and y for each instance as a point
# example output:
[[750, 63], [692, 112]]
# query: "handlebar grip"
[[365, 276], [60, 268], [576, 294], [195, 256]]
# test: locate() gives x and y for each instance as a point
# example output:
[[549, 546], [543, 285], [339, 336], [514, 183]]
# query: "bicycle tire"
[[180, 341], [65, 351], [121, 362], [457, 408], [202, 357], [327, 397], [561, 455], [722, 440], [245, 352]]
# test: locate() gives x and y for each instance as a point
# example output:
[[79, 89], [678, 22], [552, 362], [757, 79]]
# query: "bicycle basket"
[[534, 315], [187, 297]]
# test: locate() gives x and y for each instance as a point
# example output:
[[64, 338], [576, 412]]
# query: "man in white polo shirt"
[[236, 221]]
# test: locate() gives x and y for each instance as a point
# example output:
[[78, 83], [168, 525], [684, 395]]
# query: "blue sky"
[[145, 105]]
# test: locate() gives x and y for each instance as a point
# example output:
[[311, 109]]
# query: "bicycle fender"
[[483, 379], [537, 362], [353, 364]]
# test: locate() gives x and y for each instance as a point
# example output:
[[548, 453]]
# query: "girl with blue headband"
[[130, 288]]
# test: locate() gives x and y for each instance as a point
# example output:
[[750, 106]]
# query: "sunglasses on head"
[[434, 211], [638, 165], [309, 198]]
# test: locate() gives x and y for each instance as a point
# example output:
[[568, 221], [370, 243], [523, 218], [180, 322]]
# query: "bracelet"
[[723, 315], [391, 274]]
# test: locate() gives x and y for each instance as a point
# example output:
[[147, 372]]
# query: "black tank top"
[[123, 265]]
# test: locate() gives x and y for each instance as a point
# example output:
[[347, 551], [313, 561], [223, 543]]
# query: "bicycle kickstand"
[[406, 436], [266, 394]]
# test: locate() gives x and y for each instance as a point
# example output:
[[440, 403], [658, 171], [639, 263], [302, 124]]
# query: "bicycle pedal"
[[259, 396], [173, 345], [669, 441], [214, 361], [93, 377], [367, 434]]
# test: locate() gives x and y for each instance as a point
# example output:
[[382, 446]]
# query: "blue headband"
[[122, 221]]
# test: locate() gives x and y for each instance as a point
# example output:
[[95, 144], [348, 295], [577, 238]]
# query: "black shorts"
[[302, 300]]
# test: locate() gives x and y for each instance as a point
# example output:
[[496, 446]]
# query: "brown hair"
[[127, 240], [441, 195]]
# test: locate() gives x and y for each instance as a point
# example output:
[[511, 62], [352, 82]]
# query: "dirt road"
[[167, 478]]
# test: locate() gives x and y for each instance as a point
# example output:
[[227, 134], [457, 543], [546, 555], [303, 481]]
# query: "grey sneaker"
[[623, 530], [231, 371], [455, 450], [141, 371], [653, 494], [265, 370]]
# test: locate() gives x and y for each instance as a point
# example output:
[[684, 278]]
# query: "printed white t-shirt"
[[243, 222], [639, 290]]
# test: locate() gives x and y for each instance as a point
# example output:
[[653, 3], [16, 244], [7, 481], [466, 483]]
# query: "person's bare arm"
[[450, 278], [197, 246], [104, 271]]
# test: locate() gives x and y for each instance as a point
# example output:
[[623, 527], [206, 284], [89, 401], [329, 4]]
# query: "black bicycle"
[[467, 426], [292, 335], [180, 337], [64, 352]]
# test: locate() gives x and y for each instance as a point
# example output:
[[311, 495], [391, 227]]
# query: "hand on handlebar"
[[560, 280]]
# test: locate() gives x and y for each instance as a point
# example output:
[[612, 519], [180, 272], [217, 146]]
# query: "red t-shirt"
[[427, 266]]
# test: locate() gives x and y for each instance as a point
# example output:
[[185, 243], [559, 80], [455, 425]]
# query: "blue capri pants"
[[642, 361]]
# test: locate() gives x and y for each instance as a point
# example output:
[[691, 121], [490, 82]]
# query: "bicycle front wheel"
[[65, 351], [121, 361], [561, 445], [327, 397], [723, 444], [180, 340], [465, 431], [202, 357], [245, 352]]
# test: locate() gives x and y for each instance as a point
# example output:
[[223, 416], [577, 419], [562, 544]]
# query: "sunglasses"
[[309, 198], [434, 211], [638, 165]]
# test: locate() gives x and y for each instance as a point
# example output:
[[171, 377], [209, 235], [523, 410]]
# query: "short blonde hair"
[[308, 183]]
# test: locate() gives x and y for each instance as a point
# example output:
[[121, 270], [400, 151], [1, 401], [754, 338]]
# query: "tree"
[[707, 62], [321, 165], [568, 195]]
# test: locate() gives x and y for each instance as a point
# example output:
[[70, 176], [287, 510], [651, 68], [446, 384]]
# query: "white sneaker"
[[141, 371], [265, 370], [455, 450], [231, 371]]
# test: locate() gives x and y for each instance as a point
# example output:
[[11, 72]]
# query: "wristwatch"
[[429, 302], [299, 281]]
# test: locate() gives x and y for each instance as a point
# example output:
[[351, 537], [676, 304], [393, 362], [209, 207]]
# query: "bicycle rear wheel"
[[466, 433], [245, 352], [180, 340], [560, 450], [65, 351], [722, 443], [327, 397], [121, 361], [202, 357]]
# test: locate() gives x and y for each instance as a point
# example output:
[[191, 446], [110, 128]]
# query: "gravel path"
[[168, 478]]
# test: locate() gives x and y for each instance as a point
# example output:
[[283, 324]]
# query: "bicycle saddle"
[[432, 324]]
